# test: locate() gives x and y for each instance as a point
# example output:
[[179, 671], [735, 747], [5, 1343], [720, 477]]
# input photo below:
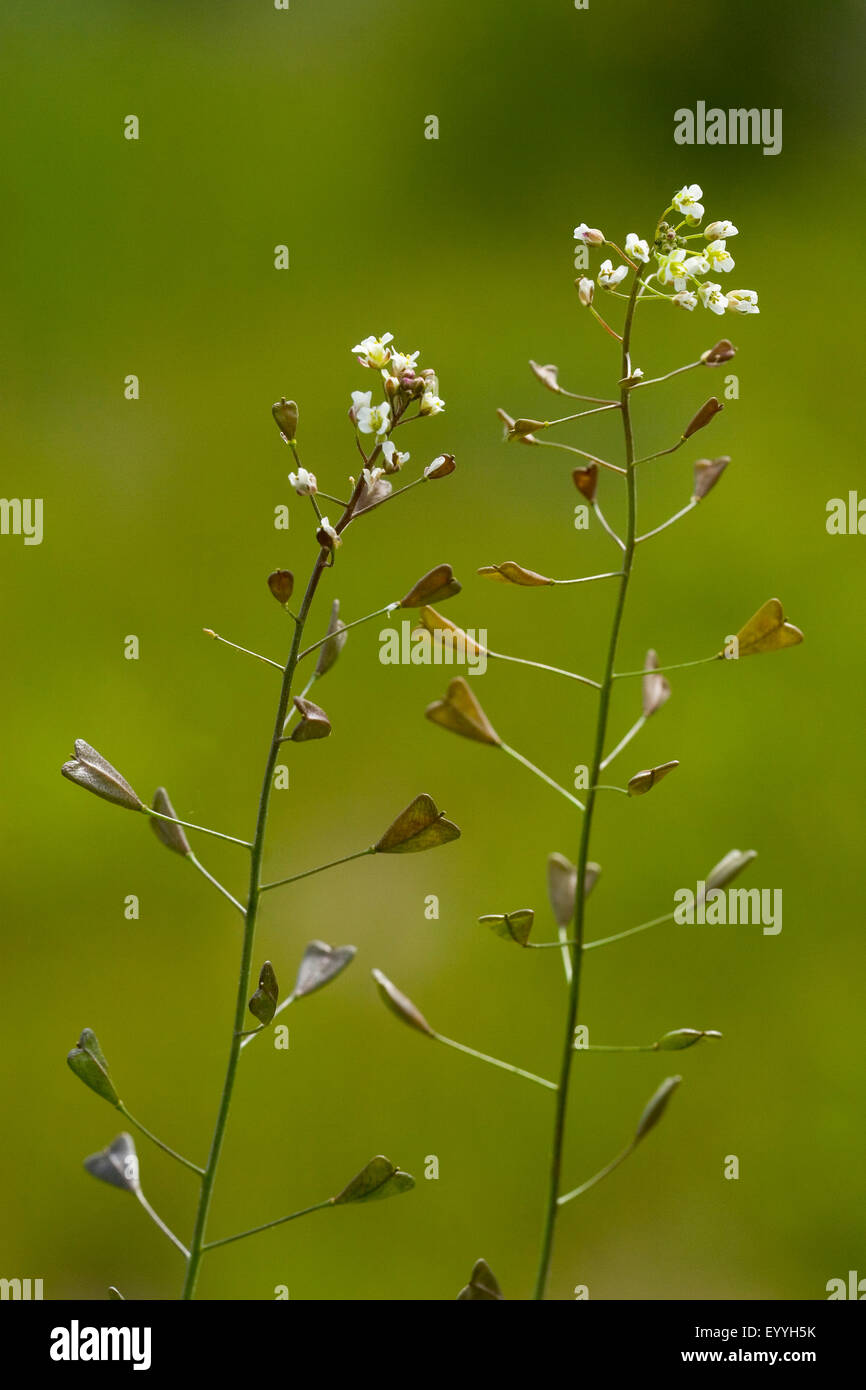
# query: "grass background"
[[155, 257]]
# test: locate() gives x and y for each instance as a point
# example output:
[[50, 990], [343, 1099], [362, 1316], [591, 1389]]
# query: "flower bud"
[[706, 413], [590, 236], [440, 467], [655, 1107], [285, 414], [585, 291], [642, 782]]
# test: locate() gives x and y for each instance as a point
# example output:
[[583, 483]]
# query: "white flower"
[[394, 460], [326, 529], [688, 201], [685, 299], [303, 482], [372, 475], [712, 298], [637, 249], [719, 229], [677, 268], [590, 236], [370, 419], [585, 291], [404, 361], [719, 257], [608, 277], [374, 352], [743, 302], [430, 404]]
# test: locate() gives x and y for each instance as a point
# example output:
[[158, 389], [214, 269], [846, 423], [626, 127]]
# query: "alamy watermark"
[[734, 907], [22, 516], [404, 647], [735, 126]]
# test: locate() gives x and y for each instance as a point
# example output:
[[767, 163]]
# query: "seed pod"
[[523, 428], [372, 495], [421, 826], [281, 584], [707, 474], [433, 587], [399, 1004], [314, 721], [644, 781], [88, 1062], [263, 1004], [656, 688], [482, 1285], [448, 632], [377, 1179], [720, 352], [320, 965], [699, 421], [767, 631], [285, 414], [511, 926], [460, 712], [548, 376], [117, 1165], [509, 424], [728, 868], [93, 772], [172, 836], [509, 572], [335, 642], [681, 1038], [562, 886], [655, 1107], [586, 481]]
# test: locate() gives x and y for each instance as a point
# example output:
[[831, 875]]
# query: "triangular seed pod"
[[285, 414], [656, 688], [509, 572], [767, 631], [733, 863], [88, 1062], [460, 712], [117, 1165], [377, 1179], [336, 640], [320, 964], [172, 836], [586, 481], [281, 584], [314, 721], [548, 376], [433, 587], [420, 826], [642, 782], [703, 417], [263, 1004], [511, 926], [680, 1038], [707, 474], [400, 1004], [93, 772], [482, 1286], [655, 1107]]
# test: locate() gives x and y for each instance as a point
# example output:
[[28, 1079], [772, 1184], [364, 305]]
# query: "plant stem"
[[158, 1142], [158, 1221], [542, 666], [280, 1221], [173, 820], [632, 931], [495, 1061], [597, 1177], [677, 666], [586, 828], [216, 883], [258, 846], [320, 868], [209, 632], [513, 753]]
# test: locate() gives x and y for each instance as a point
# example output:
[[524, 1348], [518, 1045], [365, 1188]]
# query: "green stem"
[[597, 1177], [543, 666], [549, 1225], [280, 1221], [679, 666], [495, 1062], [173, 820], [320, 868], [216, 883], [158, 1142], [158, 1221], [632, 931], [209, 632], [513, 753], [368, 617]]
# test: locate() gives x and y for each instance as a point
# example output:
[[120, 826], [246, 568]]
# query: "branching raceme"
[[409, 393], [663, 268]]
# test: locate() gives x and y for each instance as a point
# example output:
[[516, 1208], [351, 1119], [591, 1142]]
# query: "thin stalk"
[[513, 753], [585, 579], [280, 1221], [319, 869], [367, 618], [495, 1062], [677, 666], [632, 931], [552, 1204], [605, 526], [565, 419], [158, 1142], [209, 632], [216, 883], [662, 452], [654, 381], [624, 742], [542, 666], [258, 846], [205, 830], [597, 1177], [290, 999], [158, 1221], [570, 449], [670, 521]]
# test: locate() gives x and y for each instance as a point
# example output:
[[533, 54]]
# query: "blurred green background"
[[155, 257]]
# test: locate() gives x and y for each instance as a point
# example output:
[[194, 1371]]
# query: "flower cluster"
[[684, 273], [403, 383]]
